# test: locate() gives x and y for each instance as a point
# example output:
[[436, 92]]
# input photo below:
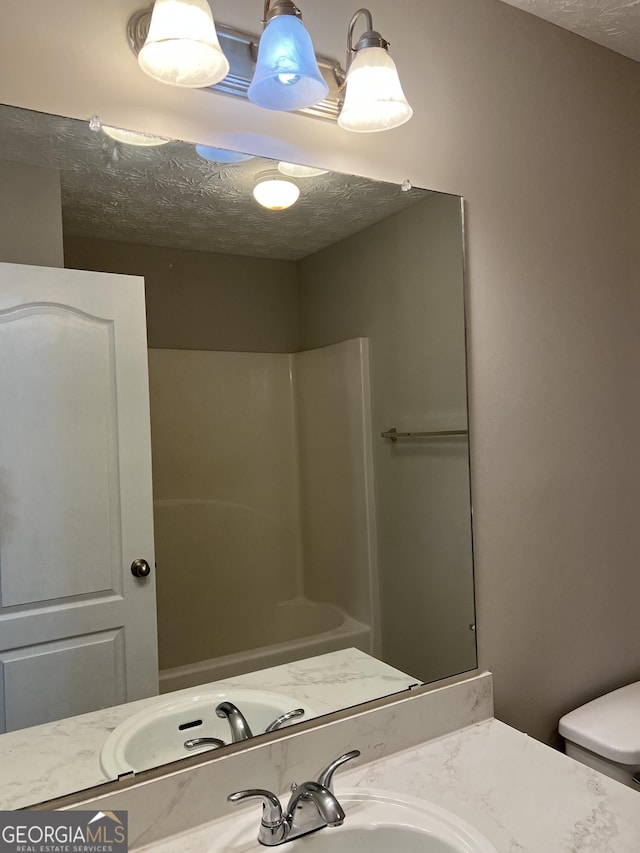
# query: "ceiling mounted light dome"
[[292, 170], [374, 99], [132, 137], [287, 76], [274, 191], [182, 46]]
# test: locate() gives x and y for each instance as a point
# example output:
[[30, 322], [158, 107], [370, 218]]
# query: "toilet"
[[605, 735]]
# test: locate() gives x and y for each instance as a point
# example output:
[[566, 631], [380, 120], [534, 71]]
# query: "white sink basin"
[[157, 734], [376, 822]]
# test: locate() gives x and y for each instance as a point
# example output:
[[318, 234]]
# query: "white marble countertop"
[[56, 759], [523, 796]]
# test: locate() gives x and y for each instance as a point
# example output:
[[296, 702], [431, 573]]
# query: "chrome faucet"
[[312, 806], [240, 729]]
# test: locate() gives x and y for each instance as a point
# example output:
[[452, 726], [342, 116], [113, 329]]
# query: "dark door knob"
[[140, 569]]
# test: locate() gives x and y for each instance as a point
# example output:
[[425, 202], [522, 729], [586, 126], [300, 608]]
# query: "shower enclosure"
[[264, 508]]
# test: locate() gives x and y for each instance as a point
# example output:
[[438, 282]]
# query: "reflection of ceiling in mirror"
[[169, 196]]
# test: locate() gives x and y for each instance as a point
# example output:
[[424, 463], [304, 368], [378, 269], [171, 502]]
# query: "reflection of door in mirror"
[[77, 630]]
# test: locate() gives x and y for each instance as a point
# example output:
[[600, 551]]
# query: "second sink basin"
[[156, 735]]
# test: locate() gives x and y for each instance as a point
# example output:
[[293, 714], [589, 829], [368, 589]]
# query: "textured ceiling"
[[169, 196], [612, 23]]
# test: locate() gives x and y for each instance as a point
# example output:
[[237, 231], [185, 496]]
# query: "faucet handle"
[[284, 718], [271, 808], [195, 742], [325, 777]]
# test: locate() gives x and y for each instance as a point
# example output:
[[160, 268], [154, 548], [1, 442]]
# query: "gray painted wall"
[[400, 284], [538, 129], [30, 215], [203, 300]]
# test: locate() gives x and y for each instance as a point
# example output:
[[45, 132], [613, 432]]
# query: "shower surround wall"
[[242, 464], [225, 497], [399, 283], [335, 447]]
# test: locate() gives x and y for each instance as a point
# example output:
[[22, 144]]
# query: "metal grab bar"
[[394, 435]]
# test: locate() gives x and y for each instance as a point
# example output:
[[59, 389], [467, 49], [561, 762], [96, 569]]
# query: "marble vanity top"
[[54, 759], [523, 796]]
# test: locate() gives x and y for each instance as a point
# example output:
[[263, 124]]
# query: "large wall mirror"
[[308, 402]]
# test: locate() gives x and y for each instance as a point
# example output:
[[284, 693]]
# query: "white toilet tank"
[[605, 734]]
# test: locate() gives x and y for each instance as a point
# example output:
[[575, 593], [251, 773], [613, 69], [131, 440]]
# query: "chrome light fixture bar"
[[241, 50]]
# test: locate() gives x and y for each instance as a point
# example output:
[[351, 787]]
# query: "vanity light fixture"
[[181, 47], [287, 76], [374, 99], [177, 42], [275, 191], [292, 170]]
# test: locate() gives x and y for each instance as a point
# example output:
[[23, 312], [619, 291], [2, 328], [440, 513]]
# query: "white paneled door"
[[77, 629]]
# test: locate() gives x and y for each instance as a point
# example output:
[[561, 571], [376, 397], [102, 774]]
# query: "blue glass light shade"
[[221, 155], [287, 76]]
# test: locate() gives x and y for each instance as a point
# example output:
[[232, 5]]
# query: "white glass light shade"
[[292, 170], [182, 47], [275, 192], [374, 99], [132, 137]]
